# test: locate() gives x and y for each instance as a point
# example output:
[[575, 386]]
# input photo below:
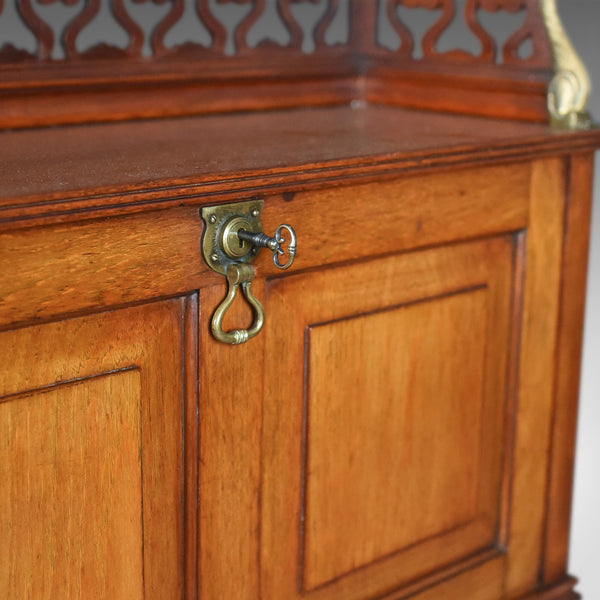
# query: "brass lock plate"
[[221, 246]]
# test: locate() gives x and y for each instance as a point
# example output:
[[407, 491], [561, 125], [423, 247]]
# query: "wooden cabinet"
[[402, 427], [397, 425]]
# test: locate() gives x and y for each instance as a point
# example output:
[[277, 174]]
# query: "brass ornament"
[[569, 90]]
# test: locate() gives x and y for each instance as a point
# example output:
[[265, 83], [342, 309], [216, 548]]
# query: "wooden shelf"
[[122, 167]]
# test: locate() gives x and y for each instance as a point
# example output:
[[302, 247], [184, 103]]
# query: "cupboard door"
[[384, 425], [91, 446]]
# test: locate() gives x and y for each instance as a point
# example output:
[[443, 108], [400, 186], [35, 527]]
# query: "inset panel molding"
[[391, 432]]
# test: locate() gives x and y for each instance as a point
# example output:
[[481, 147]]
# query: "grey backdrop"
[[582, 19]]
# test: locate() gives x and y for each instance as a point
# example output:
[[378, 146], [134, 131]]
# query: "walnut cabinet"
[[403, 426]]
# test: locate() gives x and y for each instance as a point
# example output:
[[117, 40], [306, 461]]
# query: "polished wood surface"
[[231, 405], [423, 398], [336, 498], [568, 365], [59, 538], [403, 427], [541, 262], [91, 445], [115, 259], [136, 166]]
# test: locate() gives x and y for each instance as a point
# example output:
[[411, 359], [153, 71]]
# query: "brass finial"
[[569, 90]]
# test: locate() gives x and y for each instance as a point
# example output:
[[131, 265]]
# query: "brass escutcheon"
[[232, 239]]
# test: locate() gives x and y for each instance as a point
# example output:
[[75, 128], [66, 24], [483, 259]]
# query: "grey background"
[[582, 20]]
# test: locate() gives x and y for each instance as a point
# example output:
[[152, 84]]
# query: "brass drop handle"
[[238, 274], [231, 242]]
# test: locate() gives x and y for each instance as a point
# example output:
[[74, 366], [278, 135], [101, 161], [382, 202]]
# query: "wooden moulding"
[[59, 104], [64, 107], [169, 240], [563, 590], [74, 173], [102, 100], [481, 90]]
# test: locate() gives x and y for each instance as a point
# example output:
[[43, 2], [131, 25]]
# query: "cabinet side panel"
[[568, 363], [536, 382]]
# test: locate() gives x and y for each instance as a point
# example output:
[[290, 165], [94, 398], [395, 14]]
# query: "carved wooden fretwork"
[[248, 23], [210, 17], [195, 56], [510, 52]]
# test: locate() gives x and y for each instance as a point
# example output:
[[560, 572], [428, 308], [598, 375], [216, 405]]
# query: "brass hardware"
[[238, 274], [220, 245], [232, 240], [260, 240], [569, 90]]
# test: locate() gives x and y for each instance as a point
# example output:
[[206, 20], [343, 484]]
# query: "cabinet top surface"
[[153, 162]]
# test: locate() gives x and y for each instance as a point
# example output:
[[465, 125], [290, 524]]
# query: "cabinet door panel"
[[404, 415], [90, 456], [78, 450], [384, 421]]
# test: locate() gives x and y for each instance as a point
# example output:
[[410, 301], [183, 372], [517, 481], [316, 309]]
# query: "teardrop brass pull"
[[238, 274]]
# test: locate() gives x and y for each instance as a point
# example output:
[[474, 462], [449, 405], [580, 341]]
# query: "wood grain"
[[568, 365], [354, 556], [444, 87], [105, 103], [67, 269], [231, 399], [402, 428], [191, 446], [539, 339], [391, 432], [61, 451], [560, 590], [476, 584], [56, 174], [99, 421], [70, 268], [404, 214]]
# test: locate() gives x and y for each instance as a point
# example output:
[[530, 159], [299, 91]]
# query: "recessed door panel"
[[384, 421], [71, 514], [392, 434], [91, 442]]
